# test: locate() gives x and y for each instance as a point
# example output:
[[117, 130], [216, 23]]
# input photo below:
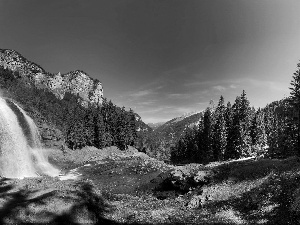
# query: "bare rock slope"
[[75, 82]]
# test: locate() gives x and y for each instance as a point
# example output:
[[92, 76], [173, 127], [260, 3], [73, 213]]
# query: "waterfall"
[[21, 154]]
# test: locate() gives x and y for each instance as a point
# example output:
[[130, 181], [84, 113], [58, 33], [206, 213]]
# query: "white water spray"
[[18, 158]]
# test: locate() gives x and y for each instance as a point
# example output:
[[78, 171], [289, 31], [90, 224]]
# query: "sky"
[[162, 58]]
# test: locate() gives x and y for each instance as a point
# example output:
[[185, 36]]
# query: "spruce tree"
[[233, 150], [207, 136], [245, 123], [220, 131], [258, 133], [99, 129], [200, 156], [229, 128], [132, 128], [295, 100]]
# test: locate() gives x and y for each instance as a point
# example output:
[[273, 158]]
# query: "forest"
[[237, 130]]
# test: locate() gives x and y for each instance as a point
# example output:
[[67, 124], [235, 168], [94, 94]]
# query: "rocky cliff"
[[76, 82]]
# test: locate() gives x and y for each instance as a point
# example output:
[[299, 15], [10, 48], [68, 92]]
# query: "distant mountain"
[[75, 82], [175, 128], [158, 143], [155, 125], [141, 126]]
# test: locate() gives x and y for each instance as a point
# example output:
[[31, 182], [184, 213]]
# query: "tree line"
[[239, 130]]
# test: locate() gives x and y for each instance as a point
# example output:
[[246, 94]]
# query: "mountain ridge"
[[76, 82], [173, 129]]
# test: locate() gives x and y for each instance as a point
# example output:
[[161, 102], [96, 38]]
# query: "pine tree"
[[245, 115], [99, 129], [295, 100], [200, 155], [220, 131], [120, 129], [258, 133], [233, 150], [132, 128], [207, 136], [229, 128]]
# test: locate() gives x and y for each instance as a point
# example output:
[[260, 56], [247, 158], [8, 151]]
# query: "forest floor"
[[110, 186]]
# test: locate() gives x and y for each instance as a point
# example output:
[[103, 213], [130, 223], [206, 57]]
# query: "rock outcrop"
[[76, 82]]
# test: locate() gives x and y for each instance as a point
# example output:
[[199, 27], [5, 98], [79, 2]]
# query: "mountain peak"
[[75, 82]]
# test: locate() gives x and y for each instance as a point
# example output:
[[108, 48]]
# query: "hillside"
[[75, 82], [172, 130]]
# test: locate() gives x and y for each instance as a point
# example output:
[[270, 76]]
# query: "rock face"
[[76, 82]]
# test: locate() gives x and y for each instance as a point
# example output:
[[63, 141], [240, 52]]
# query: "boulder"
[[180, 182]]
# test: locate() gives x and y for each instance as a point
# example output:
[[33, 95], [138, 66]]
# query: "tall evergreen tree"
[[229, 129], [132, 128], [220, 131], [121, 125], [295, 100], [234, 132], [245, 116], [258, 133], [200, 156], [99, 129], [207, 135]]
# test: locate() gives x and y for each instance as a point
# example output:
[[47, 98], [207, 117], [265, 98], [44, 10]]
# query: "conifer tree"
[[229, 128], [220, 131], [121, 125], [295, 100], [132, 128], [200, 155], [234, 132], [99, 129], [258, 133], [245, 123], [207, 135]]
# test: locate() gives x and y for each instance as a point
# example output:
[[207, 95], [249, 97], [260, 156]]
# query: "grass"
[[116, 188]]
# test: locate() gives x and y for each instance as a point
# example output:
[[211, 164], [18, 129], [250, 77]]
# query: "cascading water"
[[20, 148]]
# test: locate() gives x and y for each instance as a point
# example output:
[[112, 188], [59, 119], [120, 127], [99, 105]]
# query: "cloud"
[[272, 85], [147, 102], [198, 83], [141, 93], [219, 88], [178, 96], [156, 109]]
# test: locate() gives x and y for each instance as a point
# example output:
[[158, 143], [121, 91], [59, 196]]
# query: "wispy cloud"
[[219, 88], [178, 96], [147, 102], [267, 84], [199, 83], [141, 93], [156, 109]]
